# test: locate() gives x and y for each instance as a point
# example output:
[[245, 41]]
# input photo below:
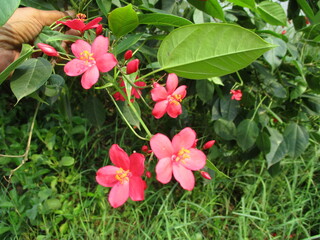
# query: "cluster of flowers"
[[177, 157]]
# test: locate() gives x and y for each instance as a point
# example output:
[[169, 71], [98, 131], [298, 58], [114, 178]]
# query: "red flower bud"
[[128, 55], [208, 144], [144, 148], [205, 175], [133, 66], [236, 94], [284, 32], [48, 50], [307, 20], [148, 174], [99, 29]]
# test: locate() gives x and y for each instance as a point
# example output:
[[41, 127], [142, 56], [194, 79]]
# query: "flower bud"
[[48, 50], [128, 55], [133, 66], [208, 144], [145, 148], [148, 174], [205, 175], [99, 29], [284, 32]]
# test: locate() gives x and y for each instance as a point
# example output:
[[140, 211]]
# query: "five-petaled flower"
[[90, 60], [168, 99], [236, 94], [78, 23], [178, 157], [124, 178]]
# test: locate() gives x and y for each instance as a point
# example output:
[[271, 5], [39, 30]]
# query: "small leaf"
[[229, 108], [244, 3], [104, 6], [296, 138], [52, 204], [163, 20], [126, 43], [7, 9], [272, 13], [95, 111], [129, 114], [225, 129], [205, 90], [214, 168], [211, 7], [223, 49], [66, 161], [247, 134], [278, 147], [123, 20], [263, 142], [275, 55], [30, 76]]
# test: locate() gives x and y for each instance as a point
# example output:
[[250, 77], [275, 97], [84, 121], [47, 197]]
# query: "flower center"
[[122, 176], [182, 155], [88, 58], [175, 99], [81, 16]]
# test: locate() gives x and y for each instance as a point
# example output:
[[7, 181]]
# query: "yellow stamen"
[[122, 175], [183, 154], [81, 16], [175, 99]]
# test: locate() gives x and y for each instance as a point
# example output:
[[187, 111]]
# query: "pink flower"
[[47, 49], [90, 60], [168, 99], [205, 175], [124, 178], [236, 94], [177, 157], [133, 66], [78, 24], [128, 55], [208, 144], [136, 92]]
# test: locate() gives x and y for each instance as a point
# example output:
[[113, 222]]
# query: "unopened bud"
[[209, 144], [48, 50], [128, 55], [205, 175], [99, 29], [133, 66], [148, 174]]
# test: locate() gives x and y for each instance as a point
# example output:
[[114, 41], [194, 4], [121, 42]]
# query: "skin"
[[22, 27]]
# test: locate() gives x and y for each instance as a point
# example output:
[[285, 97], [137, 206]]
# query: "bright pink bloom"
[[78, 24], [90, 60], [168, 99], [133, 66], [205, 175], [48, 50], [135, 91], [124, 178], [236, 94], [128, 55], [208, 144], [177, 157]]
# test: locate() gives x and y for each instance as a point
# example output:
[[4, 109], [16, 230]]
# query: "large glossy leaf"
[[207, 50], [244, 3], [95, 111], [272, 13], [123, 20], [247, 134], [211, 7], [163, 19], [7, 9], [278, 147], [296, 138], [30, 76]]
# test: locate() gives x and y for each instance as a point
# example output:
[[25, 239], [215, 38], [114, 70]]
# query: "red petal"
[[79, 46], [159, 94], [75, 67], [184, 139], [161, 146], [174, 109], [184, 177], [119, 157], [90, 77], [136, 190], [172, 83], [137, 163], [119, 194], [196, 161], [100, 46], [76, 24], [160, 108], [164, 170], [106, 62], [92, 24], [106, 176]]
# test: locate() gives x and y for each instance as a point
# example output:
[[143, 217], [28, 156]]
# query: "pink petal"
[[174, 109], [164, 170], [90, 77], [159, 94], [136, 190], [79, 46], [184, 139], [196, 161], [119, 157], [172, 83], [184, 177], [106, 176], [75, 67], [100, 46], [137, 163], [119, 194], [106, 62], [160, 109], [180, 91], [161, 146]]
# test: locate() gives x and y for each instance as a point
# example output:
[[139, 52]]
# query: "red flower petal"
[[184, 177], [119, 194], [137, 163], [75, 67], [106, 62], [106, 176], [174, 109], [159, 94], [172, 83], [161, 146], [136, 189], [196, 161], [79, 46], [164, 170], [184, 139], [160, 109], [119, 157], [100, 46], [90, 77]]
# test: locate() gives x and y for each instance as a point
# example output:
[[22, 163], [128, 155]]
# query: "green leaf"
[[94, 111], [30, 76], [26, 52], [244, 3], [129, 114], [210, 165], [306, 9], [39, 4], [225, 129], [126, 43], [247, 134], [52, 204], [263, 142], [208, 50], [7, 9], [66, 161], [278, 147], [163, 19], [296, 138], [211, 7], [272, 13], [229, 108], [123, 20], [205, 90], [104, 6], [275, 55]]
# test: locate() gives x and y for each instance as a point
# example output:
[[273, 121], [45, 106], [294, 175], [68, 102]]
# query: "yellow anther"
[[81, 16], [183, 154], [175, 99], [122, 175]]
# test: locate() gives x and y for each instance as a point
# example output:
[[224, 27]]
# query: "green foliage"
[[211, 7], [272, 13], [7, 9]]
